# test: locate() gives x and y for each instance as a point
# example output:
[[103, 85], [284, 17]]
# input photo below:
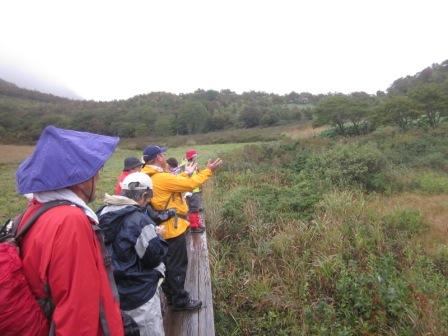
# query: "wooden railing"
[[198, 284]]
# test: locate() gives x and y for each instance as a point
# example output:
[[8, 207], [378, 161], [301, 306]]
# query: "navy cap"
[[131, 163], [152, 151]]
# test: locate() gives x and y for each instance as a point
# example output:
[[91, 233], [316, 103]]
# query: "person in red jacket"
[[131, 165], [61, 253], [194, 198]]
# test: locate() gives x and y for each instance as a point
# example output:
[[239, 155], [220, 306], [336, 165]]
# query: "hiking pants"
[[149, 317], [176, 262]]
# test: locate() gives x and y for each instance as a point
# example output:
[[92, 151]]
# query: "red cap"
[[190, 154]]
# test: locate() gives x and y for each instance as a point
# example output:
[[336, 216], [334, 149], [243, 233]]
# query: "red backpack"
[[20, 313]]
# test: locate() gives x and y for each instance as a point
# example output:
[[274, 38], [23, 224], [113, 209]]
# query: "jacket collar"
[[66, 195], [152, 169]]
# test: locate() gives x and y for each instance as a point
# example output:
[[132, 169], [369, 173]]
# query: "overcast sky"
[[105, 50]]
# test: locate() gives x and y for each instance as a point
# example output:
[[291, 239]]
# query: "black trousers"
[[176, 262], [195, 202]]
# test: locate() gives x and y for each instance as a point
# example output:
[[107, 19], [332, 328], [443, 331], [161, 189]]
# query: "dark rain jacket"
[[136, 252]]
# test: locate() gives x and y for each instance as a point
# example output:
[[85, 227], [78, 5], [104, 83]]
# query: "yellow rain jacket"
[[168, 189]]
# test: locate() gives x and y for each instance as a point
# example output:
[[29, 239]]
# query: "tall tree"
[[251, 116], [397, 110], [193, 117], [432, 101], [333, 110]]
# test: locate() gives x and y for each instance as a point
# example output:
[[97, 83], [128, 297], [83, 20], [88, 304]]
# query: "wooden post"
[[198, 284]]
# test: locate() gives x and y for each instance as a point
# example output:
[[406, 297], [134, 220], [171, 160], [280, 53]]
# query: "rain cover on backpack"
[[20, 313]]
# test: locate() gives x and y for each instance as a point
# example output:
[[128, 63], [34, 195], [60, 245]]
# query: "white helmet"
[[136, 181]]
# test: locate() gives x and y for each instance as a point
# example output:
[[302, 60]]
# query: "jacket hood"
[[110, 218], [118, 200]]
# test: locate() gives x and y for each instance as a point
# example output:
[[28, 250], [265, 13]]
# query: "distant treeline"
[[412, 101]]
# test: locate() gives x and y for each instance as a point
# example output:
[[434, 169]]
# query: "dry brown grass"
[[303, 132], [434, 209], [14, 153]]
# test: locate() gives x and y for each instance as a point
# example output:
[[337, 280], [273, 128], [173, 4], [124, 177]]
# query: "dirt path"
[[14, 153]]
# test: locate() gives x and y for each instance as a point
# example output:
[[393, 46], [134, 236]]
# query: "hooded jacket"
[[168, 189], [136, 251], [62, 253]]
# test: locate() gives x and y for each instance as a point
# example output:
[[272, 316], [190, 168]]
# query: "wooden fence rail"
[[198, 284]]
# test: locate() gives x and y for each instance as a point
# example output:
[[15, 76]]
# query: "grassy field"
[[250, 135], [303, 131], [317, 236], [346, 236], [11, 203], [208, 145]]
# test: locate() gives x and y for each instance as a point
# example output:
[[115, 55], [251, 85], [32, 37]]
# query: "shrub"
[[346, 165], [441, 259], [403, 224], [349, 130], [433, 183], [298, 201]]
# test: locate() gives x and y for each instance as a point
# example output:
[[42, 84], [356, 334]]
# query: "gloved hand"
[[171, 212], [191, 168], [160, 230], [213, 165]]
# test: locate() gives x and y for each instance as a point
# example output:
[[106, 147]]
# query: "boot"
[[191, 304]]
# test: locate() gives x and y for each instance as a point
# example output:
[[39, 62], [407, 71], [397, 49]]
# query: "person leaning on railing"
[[168, 189], [137, 251]]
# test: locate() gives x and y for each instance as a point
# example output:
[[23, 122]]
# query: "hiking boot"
[[190, 305], [197, 230]]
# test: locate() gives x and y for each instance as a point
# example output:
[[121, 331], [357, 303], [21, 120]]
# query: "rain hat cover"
[[63, 158]]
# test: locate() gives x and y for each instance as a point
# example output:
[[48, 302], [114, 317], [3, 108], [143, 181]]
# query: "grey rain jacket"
[[136, 251]]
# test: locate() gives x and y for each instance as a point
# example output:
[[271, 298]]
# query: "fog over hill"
[[31, 81]]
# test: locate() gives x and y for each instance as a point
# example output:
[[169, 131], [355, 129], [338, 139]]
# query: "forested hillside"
[[24, 113], [413, 101]]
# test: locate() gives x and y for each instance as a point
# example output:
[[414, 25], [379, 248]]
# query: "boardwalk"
[[198, 283]]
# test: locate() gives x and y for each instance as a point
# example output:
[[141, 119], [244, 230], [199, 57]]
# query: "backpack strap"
[[8, 230], [45, 303], [129, 325], [45, 207], [168, 201], [176, 216]]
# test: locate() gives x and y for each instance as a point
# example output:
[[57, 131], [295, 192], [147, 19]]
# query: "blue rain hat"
[[63, 158], [152, 151]]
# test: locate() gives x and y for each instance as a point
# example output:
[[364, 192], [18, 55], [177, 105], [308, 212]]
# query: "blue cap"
[[63, 158], [152, 151]]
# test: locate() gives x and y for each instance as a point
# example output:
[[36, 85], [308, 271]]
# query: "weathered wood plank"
[[198, 283], [206, 317]]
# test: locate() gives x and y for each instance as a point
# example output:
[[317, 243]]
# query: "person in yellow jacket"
[[167, 190]]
